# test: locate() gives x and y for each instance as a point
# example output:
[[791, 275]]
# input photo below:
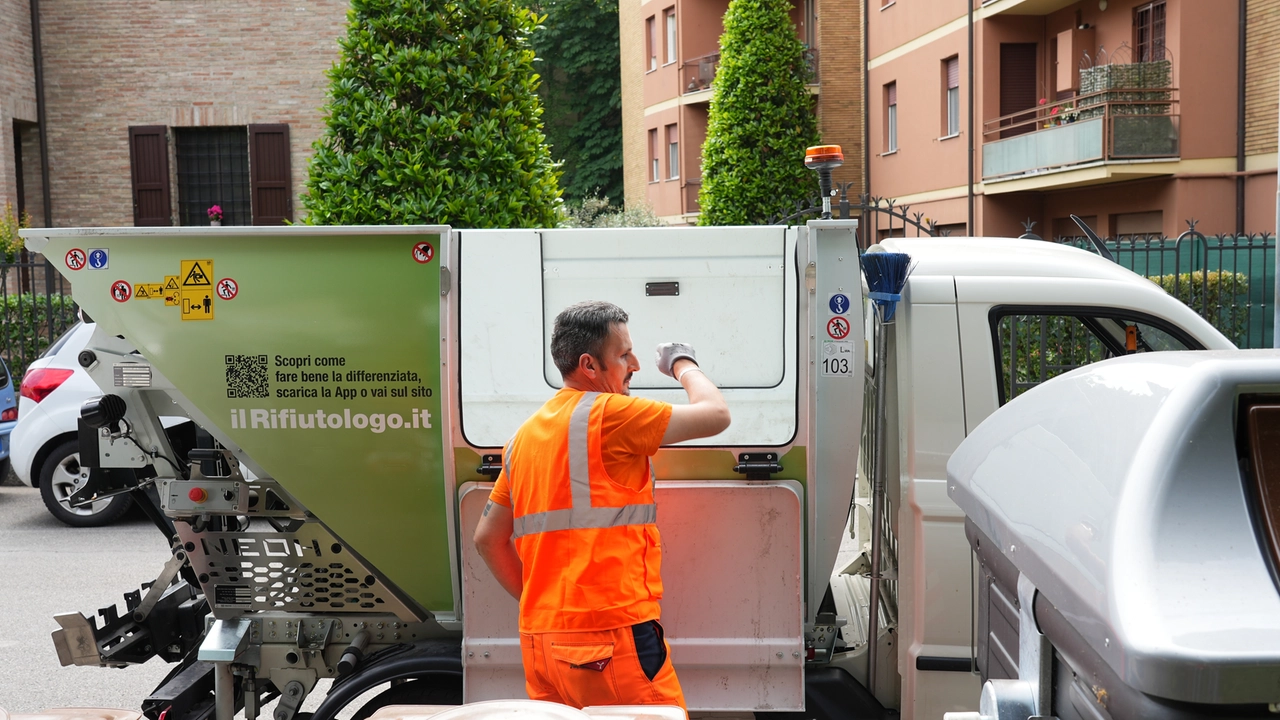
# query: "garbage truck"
[[349, 390]]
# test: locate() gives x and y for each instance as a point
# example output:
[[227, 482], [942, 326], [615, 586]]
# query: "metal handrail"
[[1041, 113]]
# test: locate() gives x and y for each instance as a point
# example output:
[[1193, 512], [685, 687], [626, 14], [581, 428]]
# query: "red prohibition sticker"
[[423, 253], [76, 259], [838, 328], [121, 291], [227, 288]]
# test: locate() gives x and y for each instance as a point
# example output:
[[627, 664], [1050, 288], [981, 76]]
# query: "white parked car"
[[44, 452]]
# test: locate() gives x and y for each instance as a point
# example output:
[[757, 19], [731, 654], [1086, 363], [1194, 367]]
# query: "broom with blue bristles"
[[886, 274]]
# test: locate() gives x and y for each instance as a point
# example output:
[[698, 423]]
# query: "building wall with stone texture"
[[17, 99], [113, 64], [634, 153], [839, 106], [1262, 76]]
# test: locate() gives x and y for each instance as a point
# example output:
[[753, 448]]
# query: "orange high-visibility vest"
[[589, 546]]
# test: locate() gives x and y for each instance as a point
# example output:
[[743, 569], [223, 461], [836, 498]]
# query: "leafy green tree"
[[433, 117], [761, 119], [578, 58]]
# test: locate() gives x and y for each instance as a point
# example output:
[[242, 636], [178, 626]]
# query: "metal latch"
[[757, 466], [490, 465]]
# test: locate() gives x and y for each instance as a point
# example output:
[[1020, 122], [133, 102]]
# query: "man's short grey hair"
[[583, 328]]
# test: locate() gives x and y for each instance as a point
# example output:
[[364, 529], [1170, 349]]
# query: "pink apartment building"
[[1135, 115], [670, 53]]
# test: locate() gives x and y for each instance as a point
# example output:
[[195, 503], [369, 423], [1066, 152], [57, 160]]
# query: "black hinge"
[[490, 465], [757, 466]]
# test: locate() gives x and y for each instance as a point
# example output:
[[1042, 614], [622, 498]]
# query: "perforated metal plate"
[[308, 570]]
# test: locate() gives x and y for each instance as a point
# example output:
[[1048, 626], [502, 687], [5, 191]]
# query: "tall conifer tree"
[[433, 117], [761, 119]]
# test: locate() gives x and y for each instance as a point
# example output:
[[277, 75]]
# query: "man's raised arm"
[[707, 413]]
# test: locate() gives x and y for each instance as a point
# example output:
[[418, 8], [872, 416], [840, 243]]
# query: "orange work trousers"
[[603, 667]]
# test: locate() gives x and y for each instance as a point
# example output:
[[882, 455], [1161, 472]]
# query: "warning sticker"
[[147, 291], [99, 259], [192, 290], [423, 252], [196, 274], [76, 259], [227, 288], [838, 327], [197, 304]]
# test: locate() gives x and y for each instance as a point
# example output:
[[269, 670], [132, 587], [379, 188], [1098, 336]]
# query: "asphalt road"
[[47, 568]]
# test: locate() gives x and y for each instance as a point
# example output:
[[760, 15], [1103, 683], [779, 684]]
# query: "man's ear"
[[588, 367]]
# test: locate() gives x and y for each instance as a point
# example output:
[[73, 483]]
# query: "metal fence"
[[1228, 279], [35, 309]]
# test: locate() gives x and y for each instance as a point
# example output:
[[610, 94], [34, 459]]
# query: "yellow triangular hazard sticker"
[[170, 282], [196, 276], [140, 292]]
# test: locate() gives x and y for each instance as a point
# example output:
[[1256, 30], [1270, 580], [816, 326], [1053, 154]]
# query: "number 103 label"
[[837, 358]]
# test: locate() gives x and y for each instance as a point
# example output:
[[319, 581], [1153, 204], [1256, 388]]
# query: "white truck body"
[[747, 562]]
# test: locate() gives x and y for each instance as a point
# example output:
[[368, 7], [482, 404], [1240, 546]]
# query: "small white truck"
[[366, 378]]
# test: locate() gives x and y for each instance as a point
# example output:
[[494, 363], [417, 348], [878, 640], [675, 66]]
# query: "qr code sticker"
[[247, 376]]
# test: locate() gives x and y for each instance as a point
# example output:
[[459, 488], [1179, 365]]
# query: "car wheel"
[[60, 476]]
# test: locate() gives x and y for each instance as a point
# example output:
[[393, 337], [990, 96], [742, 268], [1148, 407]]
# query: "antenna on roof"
[[1093, 238]]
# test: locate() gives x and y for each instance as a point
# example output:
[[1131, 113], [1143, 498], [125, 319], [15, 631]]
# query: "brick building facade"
[[17, 100], [199, 74]]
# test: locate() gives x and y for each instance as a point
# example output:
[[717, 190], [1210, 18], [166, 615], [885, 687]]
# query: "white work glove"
[[669, 353]]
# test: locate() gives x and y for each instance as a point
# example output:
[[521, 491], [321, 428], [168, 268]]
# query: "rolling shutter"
[[269, 176], [149, 161], [1017, 84]]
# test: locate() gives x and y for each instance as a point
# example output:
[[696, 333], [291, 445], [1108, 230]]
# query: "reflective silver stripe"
[[579, 450], [582, 515], [506, 460], [576, 519]]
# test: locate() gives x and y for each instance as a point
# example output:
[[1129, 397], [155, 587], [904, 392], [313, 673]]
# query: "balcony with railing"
[[697, 73], [1108, 126], [1111, 125]]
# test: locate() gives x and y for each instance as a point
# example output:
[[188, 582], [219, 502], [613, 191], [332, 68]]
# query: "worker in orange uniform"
[[569, 528]]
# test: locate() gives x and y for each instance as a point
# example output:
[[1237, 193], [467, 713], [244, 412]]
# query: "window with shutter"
[[670, 15], [654, 176], [673, 152], [651, 41], [269, 174], [891, 117], [1018, 85], [149, 168], [951, 69]]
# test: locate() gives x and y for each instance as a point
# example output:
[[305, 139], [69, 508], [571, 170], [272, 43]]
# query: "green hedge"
[[25, 327], [433, 117], [1221, 298]]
